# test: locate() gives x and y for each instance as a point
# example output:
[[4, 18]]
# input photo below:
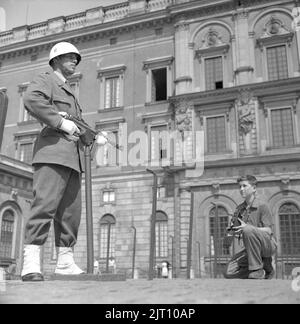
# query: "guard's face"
[[67, 64], [246, 189]]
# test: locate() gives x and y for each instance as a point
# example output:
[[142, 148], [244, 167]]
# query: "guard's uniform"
[[58, 164]]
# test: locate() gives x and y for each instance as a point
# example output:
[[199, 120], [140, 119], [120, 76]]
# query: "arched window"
[[7, 233], [218, 223], [107, 236], [289, 224], [161, 235]]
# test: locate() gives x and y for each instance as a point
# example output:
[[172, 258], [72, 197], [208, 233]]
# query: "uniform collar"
[[60, 76]]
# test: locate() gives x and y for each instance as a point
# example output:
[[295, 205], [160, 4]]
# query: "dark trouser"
[[57, 196], [259, 248]]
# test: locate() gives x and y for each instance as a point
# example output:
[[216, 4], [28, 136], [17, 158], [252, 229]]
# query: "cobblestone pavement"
[[157, 291]]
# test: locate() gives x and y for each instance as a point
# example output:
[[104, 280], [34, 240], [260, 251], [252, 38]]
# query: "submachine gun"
[[88, 134]]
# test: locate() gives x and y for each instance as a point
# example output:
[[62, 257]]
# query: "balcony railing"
[[99, 15]]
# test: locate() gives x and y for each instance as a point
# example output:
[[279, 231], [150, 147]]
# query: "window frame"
[[209, 53], [227, 133], [112, 247], [279, 227], [117, 71], [15, 226], [268, 116], [158, 248], [156, 64]]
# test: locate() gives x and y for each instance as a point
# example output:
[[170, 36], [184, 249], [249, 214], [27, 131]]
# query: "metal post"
[[108, 247], [216, 220], [190, 241], [152, 226], [89, 214], [134, 249], [173, 257], [199, 256]]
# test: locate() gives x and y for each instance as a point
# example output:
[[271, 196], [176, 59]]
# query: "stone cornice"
[[257, 160], [263, 89]]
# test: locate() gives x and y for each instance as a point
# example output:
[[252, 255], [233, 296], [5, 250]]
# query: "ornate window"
[[289, 226], [218, 221], [7, 233], [107, 236], [161, 235], [112, 87], [212, 55], [275, 45]]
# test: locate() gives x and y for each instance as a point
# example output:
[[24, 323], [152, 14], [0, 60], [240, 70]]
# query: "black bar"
[[152, 226], [190, 240], [89, 214], [134, 249]]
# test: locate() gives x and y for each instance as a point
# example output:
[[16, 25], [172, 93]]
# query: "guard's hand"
[[101, 138], [69, 127], [73, 138]]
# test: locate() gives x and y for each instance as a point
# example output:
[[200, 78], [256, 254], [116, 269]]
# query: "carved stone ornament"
[[244, 106], [183, 115], [274, 27], [212, 38]]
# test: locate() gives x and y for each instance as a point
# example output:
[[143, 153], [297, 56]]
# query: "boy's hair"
[[250, 178]]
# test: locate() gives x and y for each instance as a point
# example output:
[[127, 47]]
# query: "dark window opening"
[[159, 84]]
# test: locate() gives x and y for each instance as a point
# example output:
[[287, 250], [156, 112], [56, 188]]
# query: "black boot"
[[268, 267]]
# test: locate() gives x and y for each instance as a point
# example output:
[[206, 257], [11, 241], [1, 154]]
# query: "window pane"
[[112, 92], [161, 235], [158, 151], [6, 235], [289, 223], [282, 127], [214, 73], [277, 62], [218, 228], [25, 153], [216, 134], [159, 84]]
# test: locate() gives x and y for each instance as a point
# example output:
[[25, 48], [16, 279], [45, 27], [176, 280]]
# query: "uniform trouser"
[[57, 197], [258, 247]]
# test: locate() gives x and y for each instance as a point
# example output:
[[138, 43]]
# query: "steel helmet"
[[63, 48]]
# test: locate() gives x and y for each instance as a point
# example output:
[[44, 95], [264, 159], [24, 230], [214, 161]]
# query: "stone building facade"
[[221, 76]]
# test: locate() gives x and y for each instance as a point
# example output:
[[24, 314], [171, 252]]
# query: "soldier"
[[58, 164], [255, 229]]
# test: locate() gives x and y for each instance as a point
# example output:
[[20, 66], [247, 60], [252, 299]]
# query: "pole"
[[89, 214], [173, 257], [108, 247], [152, 226], [190, 241], [134, 249], [215, 240], [199, 256]]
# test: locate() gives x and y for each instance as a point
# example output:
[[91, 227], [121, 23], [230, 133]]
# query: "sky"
[[29, 12]]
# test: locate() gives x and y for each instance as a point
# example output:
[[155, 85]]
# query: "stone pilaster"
[[183, 80], [243, 69]]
